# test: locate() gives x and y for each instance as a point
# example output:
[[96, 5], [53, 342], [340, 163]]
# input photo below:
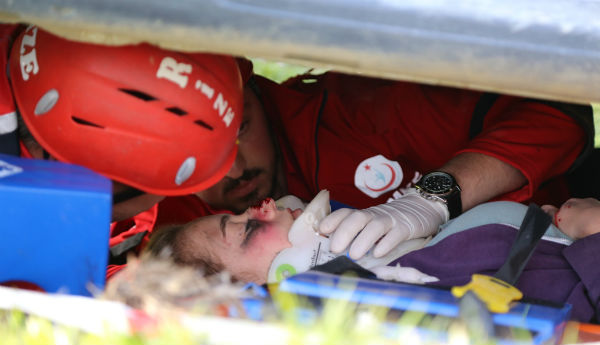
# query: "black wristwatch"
[[441, 186]]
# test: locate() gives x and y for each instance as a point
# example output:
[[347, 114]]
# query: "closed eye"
[[251, 226]]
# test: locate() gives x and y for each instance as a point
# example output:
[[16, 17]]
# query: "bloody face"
[[244, 244]]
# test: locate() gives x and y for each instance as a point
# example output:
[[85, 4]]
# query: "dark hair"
[[170, 241]]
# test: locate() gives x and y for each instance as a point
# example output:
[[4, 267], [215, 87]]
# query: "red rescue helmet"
[[161, 121]]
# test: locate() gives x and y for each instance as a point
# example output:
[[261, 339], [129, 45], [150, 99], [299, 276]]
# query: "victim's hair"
[[171, 241]]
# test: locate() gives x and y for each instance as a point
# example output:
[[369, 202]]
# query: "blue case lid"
[[55, 224], [42, 174]]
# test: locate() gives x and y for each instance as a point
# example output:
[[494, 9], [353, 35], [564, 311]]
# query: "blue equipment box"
[[55, 225], [545, 324]]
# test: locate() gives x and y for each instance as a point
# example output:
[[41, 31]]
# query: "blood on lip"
[[260, 209]]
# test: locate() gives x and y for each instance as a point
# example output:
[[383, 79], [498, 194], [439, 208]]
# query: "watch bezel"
[[422, 188], [450, 197]]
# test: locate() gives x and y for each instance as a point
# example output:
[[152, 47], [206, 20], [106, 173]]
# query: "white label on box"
[[7, 169]]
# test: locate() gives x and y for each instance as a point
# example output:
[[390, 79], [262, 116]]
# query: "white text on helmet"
[[205, 89], [224, 111], [174, 71], [220, 103], [28, 61]]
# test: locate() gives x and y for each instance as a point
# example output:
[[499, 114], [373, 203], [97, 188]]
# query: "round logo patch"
[[284, 271], [377, 175]]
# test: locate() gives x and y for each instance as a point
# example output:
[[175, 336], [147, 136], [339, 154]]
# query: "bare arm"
[[482, 177]]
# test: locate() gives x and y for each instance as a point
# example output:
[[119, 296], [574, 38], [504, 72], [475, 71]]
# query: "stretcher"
[[524, 323], [420, 307]]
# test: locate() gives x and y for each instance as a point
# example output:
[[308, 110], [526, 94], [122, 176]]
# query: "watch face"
[[437, 183]]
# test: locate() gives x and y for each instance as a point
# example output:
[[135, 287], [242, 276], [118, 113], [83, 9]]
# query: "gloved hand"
[[403, 274], [410, 216]]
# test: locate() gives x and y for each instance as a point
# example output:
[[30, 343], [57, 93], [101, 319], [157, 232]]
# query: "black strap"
[[472, 311], [127, 194], [342, 265], [319, 115], [531, 231], [9, 144], [118, 251], [485, 103]]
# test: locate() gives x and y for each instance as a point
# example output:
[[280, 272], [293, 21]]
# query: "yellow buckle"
[[495, 293]]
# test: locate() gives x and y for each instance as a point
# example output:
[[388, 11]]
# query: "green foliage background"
[[277, 71]]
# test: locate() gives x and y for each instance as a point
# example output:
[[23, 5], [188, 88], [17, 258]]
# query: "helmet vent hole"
[[84, 122], [138, 94], [177, 111], [203, 124]]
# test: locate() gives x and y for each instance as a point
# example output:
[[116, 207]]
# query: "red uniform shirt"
[[121, 231], [328, 127], [8, 115]]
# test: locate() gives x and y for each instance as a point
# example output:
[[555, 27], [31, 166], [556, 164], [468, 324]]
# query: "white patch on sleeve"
[[8, 123]]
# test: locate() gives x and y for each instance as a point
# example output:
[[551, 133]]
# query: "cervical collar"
[[309, 248]]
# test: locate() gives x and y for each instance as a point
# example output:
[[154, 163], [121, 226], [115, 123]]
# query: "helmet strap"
[[127, 194]]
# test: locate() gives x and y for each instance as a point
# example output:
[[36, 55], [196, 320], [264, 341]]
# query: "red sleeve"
[[112, 270], [145, 221], [120, 231], [8, 119], [7, 34], [535, 138]]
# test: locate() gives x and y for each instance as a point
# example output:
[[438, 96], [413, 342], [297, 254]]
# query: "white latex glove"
[[403, 274], [410, 216]]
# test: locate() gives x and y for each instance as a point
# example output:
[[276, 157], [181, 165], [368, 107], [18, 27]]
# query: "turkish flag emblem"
[[377, 175]]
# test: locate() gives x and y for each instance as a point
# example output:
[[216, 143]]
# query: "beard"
[[275, 189]]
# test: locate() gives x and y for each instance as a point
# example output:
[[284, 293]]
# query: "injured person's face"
[[267, 244], [245, 244]]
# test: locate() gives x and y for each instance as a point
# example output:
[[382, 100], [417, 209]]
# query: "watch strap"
[[452, 200], [454, 203]]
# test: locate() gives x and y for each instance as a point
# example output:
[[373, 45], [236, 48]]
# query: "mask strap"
[[127, 194]]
